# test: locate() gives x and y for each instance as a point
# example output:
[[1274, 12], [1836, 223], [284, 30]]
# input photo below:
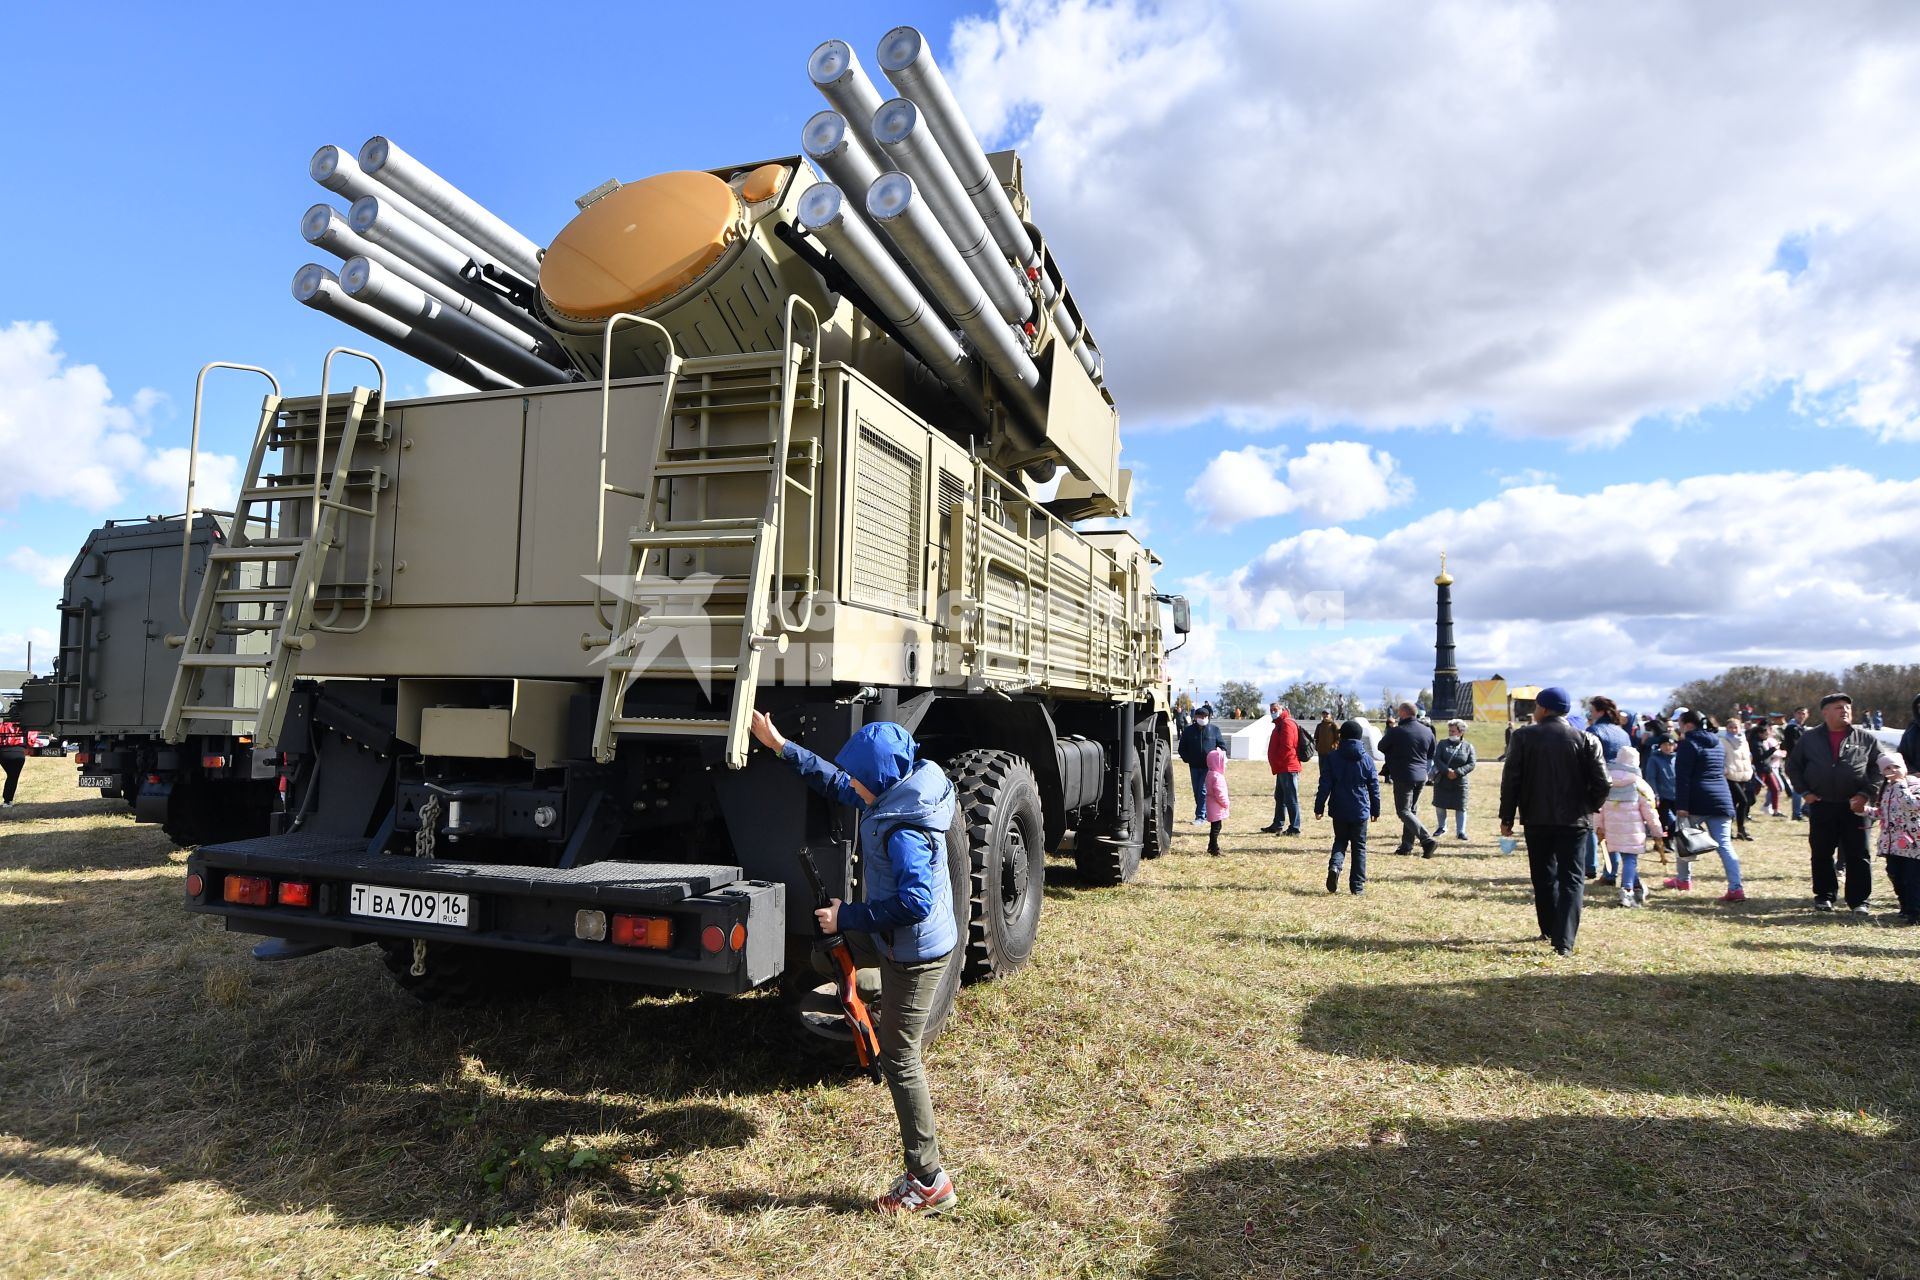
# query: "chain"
[[423, 841], [429, 820]]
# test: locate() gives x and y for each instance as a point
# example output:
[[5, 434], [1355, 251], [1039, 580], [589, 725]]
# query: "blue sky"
[[1622, 256]]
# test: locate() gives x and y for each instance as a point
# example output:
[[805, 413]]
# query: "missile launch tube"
[[337, 171], [319, 288], [837, 74], [384, 161], [897, 207], [826, 214], [365, 280], [838, 152], [376, 218], [909, 64], [902, 134], [324, 228]]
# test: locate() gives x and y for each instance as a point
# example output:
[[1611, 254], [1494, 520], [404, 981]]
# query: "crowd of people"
[[1682, 783]]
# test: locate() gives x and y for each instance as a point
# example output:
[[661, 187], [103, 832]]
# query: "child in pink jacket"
[[1216, 798], [1626, 821]]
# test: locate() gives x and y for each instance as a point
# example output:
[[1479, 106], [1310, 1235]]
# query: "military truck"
[[764, 440], [112, 674]]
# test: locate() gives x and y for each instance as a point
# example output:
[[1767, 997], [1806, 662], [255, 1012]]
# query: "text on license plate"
[[422, 906], [98, 780]]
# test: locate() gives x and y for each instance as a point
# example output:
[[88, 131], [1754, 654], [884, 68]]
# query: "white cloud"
[[1636, 587], [13, 649], [1553, 219], [65, 437], [43, 569], [1328, 482], [445, 384], [216, 480]]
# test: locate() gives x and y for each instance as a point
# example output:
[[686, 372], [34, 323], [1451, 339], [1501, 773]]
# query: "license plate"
[[101, 780], [416, 906]]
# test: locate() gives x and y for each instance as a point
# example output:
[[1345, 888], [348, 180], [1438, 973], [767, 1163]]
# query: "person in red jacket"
[[13, 757], [1288, 747]]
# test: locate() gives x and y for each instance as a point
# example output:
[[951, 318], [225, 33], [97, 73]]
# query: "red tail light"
[[713, 938], [213, 762], [247, 891], [294, 893], [643, 931], [737, 938], [82, 757], [195, 885]]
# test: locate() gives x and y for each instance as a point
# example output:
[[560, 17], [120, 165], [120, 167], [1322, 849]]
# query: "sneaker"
[[1607, 879], [1333, 880], [1861, 909], [1823, 904], [1272, 831], [1734, 895], [1640, 893], [1461, 836], [1672, 883], [1627, 899], [1199, 822], [909, 1195], [1427, 847], [1291, 831], [1563, 951]]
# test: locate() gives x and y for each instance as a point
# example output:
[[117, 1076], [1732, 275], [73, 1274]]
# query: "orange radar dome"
[[639, 245]]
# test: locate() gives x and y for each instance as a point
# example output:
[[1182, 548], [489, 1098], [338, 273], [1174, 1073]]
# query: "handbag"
[[1695, 840]]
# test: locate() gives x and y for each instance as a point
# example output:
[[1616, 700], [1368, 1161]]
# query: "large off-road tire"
[[459, 976], [1100, 856], [1160, 801], [1007, 858]]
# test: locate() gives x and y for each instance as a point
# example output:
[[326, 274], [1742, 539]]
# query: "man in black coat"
[[1555, 780], [1408, 748], [1196, 740], [1834, 767]]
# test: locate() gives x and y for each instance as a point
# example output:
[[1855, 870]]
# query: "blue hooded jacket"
[[1349, 786], [909, 900]]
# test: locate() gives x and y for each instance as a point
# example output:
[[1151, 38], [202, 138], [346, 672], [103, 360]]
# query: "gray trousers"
[[902, 995]]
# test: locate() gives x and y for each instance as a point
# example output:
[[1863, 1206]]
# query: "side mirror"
[[1182, 615]]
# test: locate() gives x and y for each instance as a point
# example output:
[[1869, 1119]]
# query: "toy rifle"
[[866, 1044]]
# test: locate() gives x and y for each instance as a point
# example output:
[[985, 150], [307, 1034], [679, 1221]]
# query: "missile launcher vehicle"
[[112, 675], [759, 436]]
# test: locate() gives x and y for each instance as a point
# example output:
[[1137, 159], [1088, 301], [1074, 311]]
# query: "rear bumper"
[[517, 908]]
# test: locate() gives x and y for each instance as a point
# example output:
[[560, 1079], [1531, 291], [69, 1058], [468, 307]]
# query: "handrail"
[[320, 428], [193, 459], [606, 407], [777, 478], [319, 459]]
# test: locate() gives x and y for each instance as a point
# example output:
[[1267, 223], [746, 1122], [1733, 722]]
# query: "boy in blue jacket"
[[908, 804], [1350, 790]]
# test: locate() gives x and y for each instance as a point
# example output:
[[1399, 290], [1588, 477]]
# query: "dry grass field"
[[1219, 1071]]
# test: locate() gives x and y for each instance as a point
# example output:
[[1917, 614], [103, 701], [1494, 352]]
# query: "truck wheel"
[[459, 976], [1160, 800], [1104, 860], [1006, 853]]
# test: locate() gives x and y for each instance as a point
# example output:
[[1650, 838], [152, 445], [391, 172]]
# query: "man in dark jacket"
[[1790, 736], [1288, 748], [1833, 768], [1910, 742], [1196, 740], [1350, 789], [1408, 748], [1554, 781]]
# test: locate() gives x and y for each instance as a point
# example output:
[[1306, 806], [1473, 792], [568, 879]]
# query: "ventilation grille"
[[886, 525]]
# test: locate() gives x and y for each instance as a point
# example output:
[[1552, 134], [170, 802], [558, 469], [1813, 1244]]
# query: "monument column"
[[1446, 679]]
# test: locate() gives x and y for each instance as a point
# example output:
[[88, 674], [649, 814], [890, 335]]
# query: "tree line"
[[1889, 688]]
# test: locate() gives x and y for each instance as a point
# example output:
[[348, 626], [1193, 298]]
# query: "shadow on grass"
[[1569, 1196], [315, 1084], [1839, 948], [1785, 1039]]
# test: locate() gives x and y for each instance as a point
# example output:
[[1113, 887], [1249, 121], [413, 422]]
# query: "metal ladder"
[[270, 582], [700, 392]]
